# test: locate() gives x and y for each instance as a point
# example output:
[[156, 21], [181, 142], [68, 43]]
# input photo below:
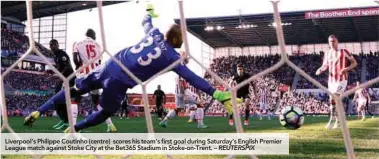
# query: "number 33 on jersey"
[[150, 56]]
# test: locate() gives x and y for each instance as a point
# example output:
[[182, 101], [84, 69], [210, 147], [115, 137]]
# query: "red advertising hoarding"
[[342, 13]]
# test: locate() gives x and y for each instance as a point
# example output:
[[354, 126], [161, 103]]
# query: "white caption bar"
[[139, 143]]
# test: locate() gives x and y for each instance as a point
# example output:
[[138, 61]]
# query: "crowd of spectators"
[[30, 81], [225, 67], [309, 103], [23, 104], [372, 66], [14, 43]]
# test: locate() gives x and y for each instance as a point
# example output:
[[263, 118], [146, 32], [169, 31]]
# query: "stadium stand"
[[14, 43]]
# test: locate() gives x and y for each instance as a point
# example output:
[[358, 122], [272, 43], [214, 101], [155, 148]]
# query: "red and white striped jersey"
[[263, 96], [362, 93], [88, 49], [182, 84], [336, 62]]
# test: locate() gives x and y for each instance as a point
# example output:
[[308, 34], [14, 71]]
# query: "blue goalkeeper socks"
[[58, 98], [93, 120]]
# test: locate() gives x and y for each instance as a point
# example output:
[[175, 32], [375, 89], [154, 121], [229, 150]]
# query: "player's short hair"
[[91, 33], [53, 41], [333, 36], [239, 65], [173, 31]]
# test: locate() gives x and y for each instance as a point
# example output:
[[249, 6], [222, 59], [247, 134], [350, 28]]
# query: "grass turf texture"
[[311, 141]]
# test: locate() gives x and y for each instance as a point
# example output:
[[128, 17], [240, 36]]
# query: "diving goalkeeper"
[[145, 59]]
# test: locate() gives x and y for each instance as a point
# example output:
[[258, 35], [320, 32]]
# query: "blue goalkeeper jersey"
[[151, 55]]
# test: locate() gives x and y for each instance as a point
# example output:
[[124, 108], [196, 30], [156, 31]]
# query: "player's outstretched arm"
[[196, 81], [149, 29], [200, 83], [147, 23]]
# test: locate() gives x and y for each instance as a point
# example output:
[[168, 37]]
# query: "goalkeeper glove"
[[150, 9], [225, 99]]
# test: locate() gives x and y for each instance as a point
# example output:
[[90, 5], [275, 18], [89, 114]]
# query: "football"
[[291, 117]]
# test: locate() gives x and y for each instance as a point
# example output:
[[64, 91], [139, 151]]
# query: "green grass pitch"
[[311, 141]]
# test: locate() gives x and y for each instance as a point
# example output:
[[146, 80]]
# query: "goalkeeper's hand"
[[226, 99], [150, 9]]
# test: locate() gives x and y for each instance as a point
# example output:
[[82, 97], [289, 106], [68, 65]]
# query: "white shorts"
[[191, 106], [262, 106], [362, 102], [337, 87], [191, 97]]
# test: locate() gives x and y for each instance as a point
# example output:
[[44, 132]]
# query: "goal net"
[[143, 84]]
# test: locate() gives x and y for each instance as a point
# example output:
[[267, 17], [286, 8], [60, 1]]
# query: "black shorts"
[[124, 108]]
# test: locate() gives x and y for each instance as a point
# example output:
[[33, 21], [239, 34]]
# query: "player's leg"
[[61, 109], [231, 121], [60, 112], [110, 125], [75, 101], [126, 112], [122, 112], [74, 108], [368, 110], [200, 116], [172, 112], [362, 109], [192, 113], [247, 111], [332, 113], [332, 88], [159, 111], [261, 110], [95, 95], [59, 98], [341, 86], [193, 102], [267, 111], [110, 100], [83, 85], [74, 113]]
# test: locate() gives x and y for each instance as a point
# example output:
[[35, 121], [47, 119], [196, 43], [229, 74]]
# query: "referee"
[[160, 99], [63, 65], [124, 107]]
